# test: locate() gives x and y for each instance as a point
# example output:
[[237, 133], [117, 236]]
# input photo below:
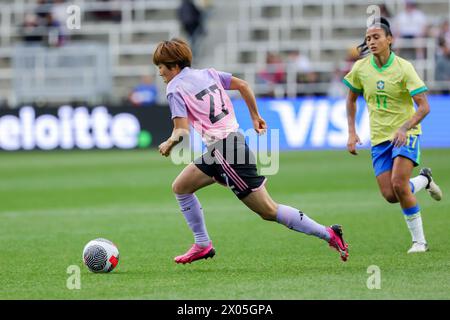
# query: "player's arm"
[[353, 138], [423, 108], [249, 97], [179, 133]]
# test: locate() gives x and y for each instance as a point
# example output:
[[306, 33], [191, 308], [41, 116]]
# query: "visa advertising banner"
[[297, 124], [321, 123]]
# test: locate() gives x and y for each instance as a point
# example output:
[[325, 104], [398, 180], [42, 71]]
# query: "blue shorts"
[[383, 154]]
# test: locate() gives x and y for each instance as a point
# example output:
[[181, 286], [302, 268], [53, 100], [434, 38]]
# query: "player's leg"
[[382, 165], [385, 185], [425, 180], [420, 182], [187, 182], [190, 180], [383, 170], [401, 173], [260, 202], [243, 179]]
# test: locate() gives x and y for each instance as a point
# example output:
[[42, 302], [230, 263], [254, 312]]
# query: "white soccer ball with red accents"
[[100, 255]]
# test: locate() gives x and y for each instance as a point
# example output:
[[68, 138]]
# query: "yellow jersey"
[[388, 92]]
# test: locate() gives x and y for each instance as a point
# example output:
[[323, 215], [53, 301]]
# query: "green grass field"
[[52, 204]]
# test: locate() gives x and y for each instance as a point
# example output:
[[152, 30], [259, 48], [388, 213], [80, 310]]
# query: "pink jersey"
[[200, 96]]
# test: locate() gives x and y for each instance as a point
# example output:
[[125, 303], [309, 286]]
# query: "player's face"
[[166, 73], [377, 41]]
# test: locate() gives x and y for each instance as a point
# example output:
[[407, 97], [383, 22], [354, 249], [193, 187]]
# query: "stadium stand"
[[322, 30], [129, 42], [241, 35]]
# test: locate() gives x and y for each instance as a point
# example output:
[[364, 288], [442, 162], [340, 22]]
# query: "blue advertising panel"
[[321, 123]]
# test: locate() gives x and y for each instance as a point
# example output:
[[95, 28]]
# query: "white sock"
[[415, 227], [418, 183]]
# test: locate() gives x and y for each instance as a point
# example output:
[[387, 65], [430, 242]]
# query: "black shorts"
[[231, 163]]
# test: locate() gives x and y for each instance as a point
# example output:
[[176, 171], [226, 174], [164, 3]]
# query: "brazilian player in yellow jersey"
[[389, 85]]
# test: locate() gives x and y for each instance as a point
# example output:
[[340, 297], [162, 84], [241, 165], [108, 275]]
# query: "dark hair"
[[172, 53], [384, 24]]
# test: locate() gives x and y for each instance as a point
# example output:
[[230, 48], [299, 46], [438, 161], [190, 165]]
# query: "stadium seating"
[[131, 40], [240, 35], [323, 30]]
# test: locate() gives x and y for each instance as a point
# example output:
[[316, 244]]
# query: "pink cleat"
[[337, 241], [196, 253]]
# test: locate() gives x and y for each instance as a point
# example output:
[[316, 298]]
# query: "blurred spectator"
[[43, 30], [54, 31], [144, 94], [337, 89], [108, 15], [59, 11], [206, 7], [384, 11], [302, 65], [443, 35], [443, 58], [353, 54], [42, 8], [299, 61], [31, 34], [411, 24], [274, 71], [190, 17], [443, 62], [273, 75]]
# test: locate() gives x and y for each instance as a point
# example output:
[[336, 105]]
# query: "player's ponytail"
[[363, 49], [384, 24]]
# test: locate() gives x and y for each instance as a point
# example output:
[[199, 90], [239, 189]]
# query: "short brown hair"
[[172, 53]]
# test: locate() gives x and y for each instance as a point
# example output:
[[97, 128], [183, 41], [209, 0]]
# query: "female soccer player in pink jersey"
[[199, 98]]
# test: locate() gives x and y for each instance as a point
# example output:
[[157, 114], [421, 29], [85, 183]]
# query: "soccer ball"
[[100, 255]]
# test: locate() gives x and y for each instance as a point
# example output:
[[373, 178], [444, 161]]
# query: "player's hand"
[[165, 148], [353, 139], [399, 138], [260, 125]]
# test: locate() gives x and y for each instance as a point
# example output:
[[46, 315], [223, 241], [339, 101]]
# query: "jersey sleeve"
[[414, 84], [225, 79], [352, 81], [177, 105]]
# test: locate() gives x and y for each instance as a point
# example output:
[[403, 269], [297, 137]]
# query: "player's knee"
[[399, 186], [178, 188], [390, 197]]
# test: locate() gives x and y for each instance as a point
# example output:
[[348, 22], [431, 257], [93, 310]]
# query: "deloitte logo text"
[[71, 128]]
